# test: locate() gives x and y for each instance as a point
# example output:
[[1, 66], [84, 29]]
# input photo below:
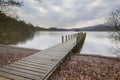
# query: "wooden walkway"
[[38, 66]]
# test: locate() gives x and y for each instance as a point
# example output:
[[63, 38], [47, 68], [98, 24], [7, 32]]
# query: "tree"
[[6, 6], [114, 20], [115, 38]]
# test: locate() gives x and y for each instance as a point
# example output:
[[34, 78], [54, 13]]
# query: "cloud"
[[67, 13], [90, 22]]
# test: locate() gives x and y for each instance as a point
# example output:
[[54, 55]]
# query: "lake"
[[102, 43], [96, 43], [43, 39]]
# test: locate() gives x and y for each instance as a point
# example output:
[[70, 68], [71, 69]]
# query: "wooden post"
[[71, 36], [66, 37], [76, 44], [74, 35], [62, 39]]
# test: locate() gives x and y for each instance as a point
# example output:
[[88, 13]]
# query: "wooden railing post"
[[71, 36], [66, 37], [62, 39]]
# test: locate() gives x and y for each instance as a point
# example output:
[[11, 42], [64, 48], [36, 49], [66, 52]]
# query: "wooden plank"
[[50, 72], [39, 65], [16, 75], [26, 68], [25, 71], [44, 56], [43, 60], [50, 62], [30, 66], [50, 57], [33, 66], [29, 63], [40, 62], [3, 78], [40, 58]]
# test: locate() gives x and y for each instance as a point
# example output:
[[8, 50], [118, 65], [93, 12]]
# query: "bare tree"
[[114, 20], [6, 6], [114, 23], [115, 38]]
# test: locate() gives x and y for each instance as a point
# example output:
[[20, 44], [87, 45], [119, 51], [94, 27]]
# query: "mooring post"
[[66, 37], [71, 36], [76, 48], [79, 39], [62, 39]]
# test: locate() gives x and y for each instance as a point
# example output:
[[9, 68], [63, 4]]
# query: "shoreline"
[[100, 56], [77, 67], [88, 67], [9, 54]]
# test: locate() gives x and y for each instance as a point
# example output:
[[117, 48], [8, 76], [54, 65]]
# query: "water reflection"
[[99, 43], [96, 43], [115, 38], [13, 38], [43, 40]]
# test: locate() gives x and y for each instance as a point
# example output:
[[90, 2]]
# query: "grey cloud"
[[66, 13]]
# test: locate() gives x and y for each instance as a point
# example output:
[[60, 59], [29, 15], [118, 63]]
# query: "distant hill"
[[57, 29], [49, 29], [100, 27]]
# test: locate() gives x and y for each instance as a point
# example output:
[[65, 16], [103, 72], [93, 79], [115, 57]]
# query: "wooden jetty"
[[41, 65]]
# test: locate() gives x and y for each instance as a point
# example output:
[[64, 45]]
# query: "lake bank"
[[96, 43], [9, 54], [88, 67], [77, 67]]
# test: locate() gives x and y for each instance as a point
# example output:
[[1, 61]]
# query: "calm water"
[[43, 40], [97, 43], [102, 43]]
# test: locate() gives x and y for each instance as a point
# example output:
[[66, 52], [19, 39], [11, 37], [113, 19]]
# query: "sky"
[[66, 13]]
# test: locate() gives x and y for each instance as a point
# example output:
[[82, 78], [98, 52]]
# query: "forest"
[[8, 24]]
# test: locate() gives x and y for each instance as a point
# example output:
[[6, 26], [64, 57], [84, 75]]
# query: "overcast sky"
[[67, 13]]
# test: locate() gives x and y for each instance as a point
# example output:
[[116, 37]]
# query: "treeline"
[[50, 29], [8, 24]]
